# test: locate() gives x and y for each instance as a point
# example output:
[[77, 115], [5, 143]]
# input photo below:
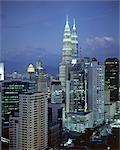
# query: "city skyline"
[[33, 30]]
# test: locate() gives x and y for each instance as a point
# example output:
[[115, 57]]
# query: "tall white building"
[[69, 51], [33, 121], [96, 91]]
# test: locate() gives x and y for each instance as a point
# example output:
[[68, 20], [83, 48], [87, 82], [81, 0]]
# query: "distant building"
[[31, 72], [96, 85], [14, 75], [33, 121], [56, 92], [41, 78], [112, 77], [2, 71]]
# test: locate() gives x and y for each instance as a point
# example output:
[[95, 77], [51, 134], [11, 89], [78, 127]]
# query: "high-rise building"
[[56, 92], [10, 96], [1, 71], [77, 89], [33, 121], [96, 90], [69, 51], [77, 86], [112, 77], [77, 116], [41, 78]]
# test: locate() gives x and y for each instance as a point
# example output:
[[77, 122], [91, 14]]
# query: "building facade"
[[112, 77], [33, 121], [96, 90], [56, 92], [78, 121], [10, 96]]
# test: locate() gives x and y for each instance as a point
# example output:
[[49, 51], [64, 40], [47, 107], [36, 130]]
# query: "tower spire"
[[67, 20], [74, 26], [67, 28]]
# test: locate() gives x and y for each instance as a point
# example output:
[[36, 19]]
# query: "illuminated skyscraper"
[[69, 51], [112, 77]]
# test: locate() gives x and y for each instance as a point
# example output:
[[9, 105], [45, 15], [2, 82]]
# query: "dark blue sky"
[[32, 30]]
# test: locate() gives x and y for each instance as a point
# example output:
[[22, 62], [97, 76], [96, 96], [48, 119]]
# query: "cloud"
[[99, 42]]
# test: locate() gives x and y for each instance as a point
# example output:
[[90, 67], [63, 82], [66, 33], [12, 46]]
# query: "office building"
[[10, 96], [77, 85], [96, 90], [112, 77], [33, 121], [56, 92]]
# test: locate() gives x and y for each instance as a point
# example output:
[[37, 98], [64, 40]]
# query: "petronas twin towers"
[[70, 43], [69, 51]]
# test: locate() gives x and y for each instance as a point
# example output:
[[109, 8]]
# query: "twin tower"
[[70, 43], [69, 51]]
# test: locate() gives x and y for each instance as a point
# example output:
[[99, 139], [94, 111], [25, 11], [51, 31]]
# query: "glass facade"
[[10, 95]]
